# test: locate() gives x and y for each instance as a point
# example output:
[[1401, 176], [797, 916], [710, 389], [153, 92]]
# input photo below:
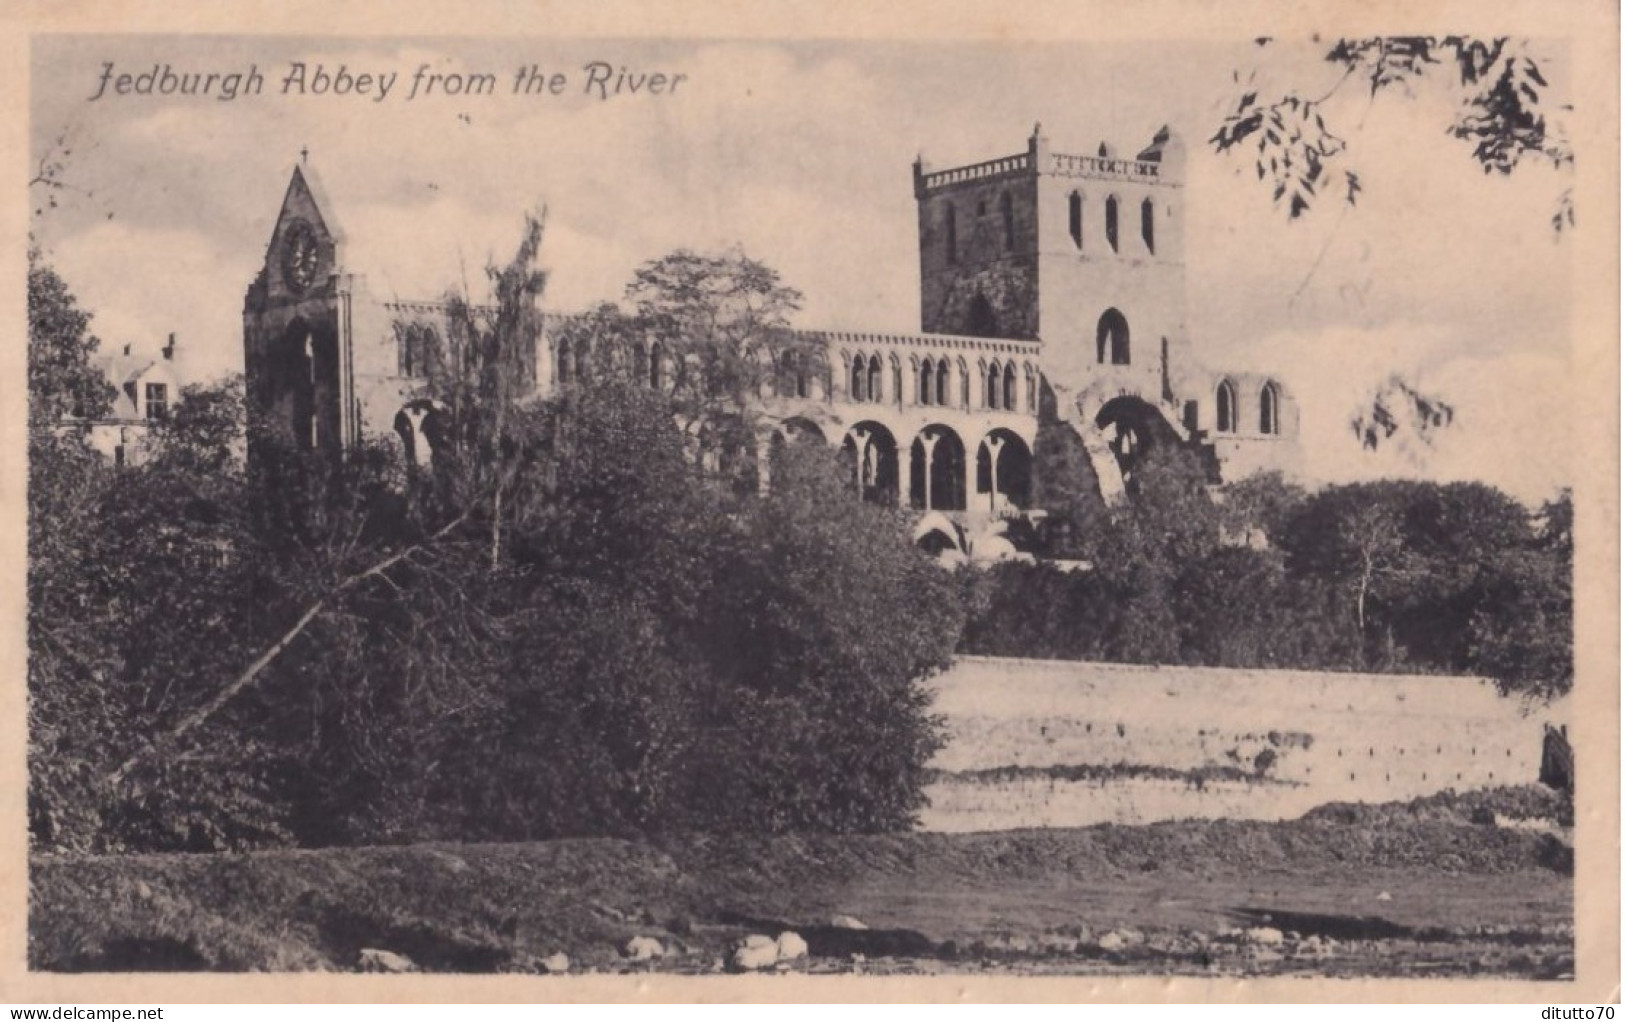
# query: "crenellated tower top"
[[1161, 162]]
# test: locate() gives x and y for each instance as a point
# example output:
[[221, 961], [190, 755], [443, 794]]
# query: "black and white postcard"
[[750, 503]]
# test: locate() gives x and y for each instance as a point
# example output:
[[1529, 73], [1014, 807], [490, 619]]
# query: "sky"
[[800, 153]]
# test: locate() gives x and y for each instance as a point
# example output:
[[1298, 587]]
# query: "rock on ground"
[[376, 960], [757, 951], [791, 946], [642, 949]]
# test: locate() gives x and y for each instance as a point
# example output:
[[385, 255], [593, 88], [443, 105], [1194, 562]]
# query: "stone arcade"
[[1052, 288]]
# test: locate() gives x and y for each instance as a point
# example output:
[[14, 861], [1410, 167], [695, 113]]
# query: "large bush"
[[651, 651]]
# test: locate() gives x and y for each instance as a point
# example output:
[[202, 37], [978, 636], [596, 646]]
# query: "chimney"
[[169, 349]]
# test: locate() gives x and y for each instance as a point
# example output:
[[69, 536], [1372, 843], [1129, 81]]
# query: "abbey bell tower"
[[1085, 253], [296, 350]]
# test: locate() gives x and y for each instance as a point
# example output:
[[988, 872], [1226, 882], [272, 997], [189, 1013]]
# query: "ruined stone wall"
[[984, 262], [380, 390], [1080, 743], [1080, 280]]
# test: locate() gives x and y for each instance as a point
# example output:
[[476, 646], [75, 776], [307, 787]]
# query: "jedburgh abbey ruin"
[[1052, 288]]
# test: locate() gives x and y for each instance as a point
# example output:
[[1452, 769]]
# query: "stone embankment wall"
[[1038, 743]]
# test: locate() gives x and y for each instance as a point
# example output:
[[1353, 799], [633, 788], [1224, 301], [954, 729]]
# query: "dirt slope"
[[1387, 890]]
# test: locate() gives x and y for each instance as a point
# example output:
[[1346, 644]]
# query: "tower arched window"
[[964, 385], [979, 319], [799, 361], [875, 393], [657, 380], [1074, 218], [421, 345], [1148, 226], [583, 361], [951, 234], [1009, 402], [927, 381], [993, 385], [1225, 408], [566, 363], [860, 374], [942, 381], [1269, 410], [1007, 212], [1111, 339], [1032, 389], [1111, 221], [897, 380]]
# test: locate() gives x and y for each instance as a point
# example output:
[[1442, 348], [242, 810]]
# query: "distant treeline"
[[1381, 576]]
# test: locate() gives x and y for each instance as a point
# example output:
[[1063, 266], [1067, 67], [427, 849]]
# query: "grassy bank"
[[1432, 885]]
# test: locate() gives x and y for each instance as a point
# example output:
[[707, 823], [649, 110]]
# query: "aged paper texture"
[[1369, 249]]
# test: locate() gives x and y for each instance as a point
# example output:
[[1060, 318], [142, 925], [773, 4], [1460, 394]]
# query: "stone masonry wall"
[[1205, 743]]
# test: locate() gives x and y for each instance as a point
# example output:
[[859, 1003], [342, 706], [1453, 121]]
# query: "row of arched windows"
[[866, 379], [795, 375], [419, 344], [573, 362], [1148, 222], [1001, 387], [933, 383], [1007, 216], [1227, 417], [930, 474]]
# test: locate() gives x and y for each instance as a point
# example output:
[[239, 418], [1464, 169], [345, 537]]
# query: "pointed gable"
[[305, 216], [306, 200]]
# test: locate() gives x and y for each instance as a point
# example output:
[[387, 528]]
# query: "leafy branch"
[[1503, 115], [253, 671]]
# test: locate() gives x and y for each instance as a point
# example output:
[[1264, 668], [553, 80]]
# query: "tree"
[[204, 434], [1414, 560], [1122, 607], [1353, 536], [556, 626], [1398, 413], [828, 620], [63, 381], [1240, 607], [1521, 631], [1504, 114], [486, 369], [717, 328], [1064, 485], [1259, 505]]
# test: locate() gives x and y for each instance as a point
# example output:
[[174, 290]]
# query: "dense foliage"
[[1506, 112], [567, 624], [1386, 576], [62, 381]]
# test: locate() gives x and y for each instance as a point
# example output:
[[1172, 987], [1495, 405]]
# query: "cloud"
[[140, 284], [1511, 426]]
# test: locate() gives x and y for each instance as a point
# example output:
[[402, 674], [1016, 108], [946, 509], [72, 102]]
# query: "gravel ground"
[[1467, 885]]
